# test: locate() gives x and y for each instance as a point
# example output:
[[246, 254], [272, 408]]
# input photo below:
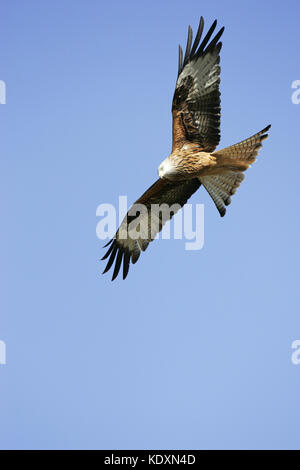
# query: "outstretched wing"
[[145, 220], [196, 101]]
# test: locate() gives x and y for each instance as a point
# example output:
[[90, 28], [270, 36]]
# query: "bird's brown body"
[[191, 161]]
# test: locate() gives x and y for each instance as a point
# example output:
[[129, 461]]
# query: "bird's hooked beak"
[[160, 170], [167, 169]]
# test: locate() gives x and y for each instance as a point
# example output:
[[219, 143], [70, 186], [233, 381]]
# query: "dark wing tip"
[[118, 263], [196, 50], [108, 243], [117, 253], [188, 46], [112, 252], [126, 263], [198, 36], [109, 249], [180, 55], [215, 40]]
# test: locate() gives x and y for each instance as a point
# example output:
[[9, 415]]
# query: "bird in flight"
[[194, 160]]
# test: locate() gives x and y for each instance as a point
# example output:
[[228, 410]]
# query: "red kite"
[[193, 160]]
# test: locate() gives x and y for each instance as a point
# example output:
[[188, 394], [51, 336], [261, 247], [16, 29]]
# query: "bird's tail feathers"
[[240, 156], [222, 187], [232, 161]]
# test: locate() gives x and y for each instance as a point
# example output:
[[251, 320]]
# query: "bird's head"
[[166, 169]]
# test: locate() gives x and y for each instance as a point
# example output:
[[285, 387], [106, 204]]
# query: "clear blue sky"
[[193, 350]]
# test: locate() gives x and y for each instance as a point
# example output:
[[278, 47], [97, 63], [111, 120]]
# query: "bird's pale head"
[[167, 169]]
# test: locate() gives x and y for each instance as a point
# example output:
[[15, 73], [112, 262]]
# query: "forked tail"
[[240, 156], [233, 160]]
